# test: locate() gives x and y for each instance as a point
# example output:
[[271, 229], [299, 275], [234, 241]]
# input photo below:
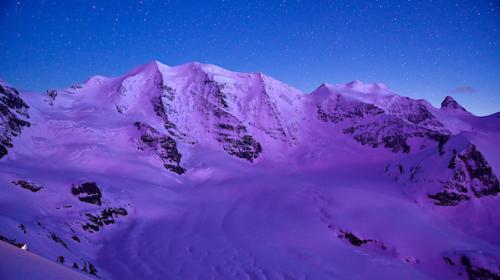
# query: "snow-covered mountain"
[[197, 172]]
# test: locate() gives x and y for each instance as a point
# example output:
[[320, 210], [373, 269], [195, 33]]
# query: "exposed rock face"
[[474, 264], [88, 192], [477, 272], [163, 146], [217, 105], [447, 198], [451, 104], [233, 136], [60, 259], [89, 268], [370, 245], [392, 133], [472, 175], [225, 127], [414, 112], [390, 124], [458, 172], [76, 238], [357, 241], [215, 92], [269, 117], [162, 105], [51, 96], [354, 240], [105, 217], [481, 178], [13, 117], [338, 109], [57, 239], [27, 185], [22, 228]]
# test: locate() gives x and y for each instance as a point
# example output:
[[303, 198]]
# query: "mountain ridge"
[[355, 85], [194, 171]]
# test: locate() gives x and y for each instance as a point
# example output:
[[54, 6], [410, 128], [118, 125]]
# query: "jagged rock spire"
[[449, 103]]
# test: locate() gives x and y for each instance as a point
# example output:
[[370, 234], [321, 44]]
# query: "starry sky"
[[420, 48]]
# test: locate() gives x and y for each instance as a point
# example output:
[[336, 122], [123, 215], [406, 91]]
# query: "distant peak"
[[355, 84], [324, 88], [201, 67], [382, 86], [159, 64], [449, 103], [354, 88], [360, 86], [153, 65], [324, 85]]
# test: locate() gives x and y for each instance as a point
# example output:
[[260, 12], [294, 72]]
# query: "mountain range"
[[197, 172]]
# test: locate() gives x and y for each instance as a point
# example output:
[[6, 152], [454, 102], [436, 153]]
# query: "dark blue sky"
[[423, 49]]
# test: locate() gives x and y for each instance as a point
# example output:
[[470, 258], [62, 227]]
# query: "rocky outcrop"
[[51, 96], [480, 176], [392, 133], [214, 91], [104, 217], [88, 192], [13, 117], [471, 176], [475, 265], [356, 240], [458, 172], [450, 104], [447, 198], [414, 112], [89, 268], [22, 228], [162, 105], [27, 185], [234, 137], [163, 146], [57, 239], [339, 109], [390, 123], [213, 106], [370, 246], [478, 272]]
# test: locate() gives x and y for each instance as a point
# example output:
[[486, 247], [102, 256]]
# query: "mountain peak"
[[355, 86], [360, 86], [152, 66], [449, 103]]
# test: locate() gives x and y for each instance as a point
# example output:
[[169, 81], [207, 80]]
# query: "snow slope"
[[19, 264], [197, 172]]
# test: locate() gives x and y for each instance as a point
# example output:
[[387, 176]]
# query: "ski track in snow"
[[238, 231]]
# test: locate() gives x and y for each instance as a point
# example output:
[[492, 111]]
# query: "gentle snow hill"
[[198, 172], [20, 264]]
